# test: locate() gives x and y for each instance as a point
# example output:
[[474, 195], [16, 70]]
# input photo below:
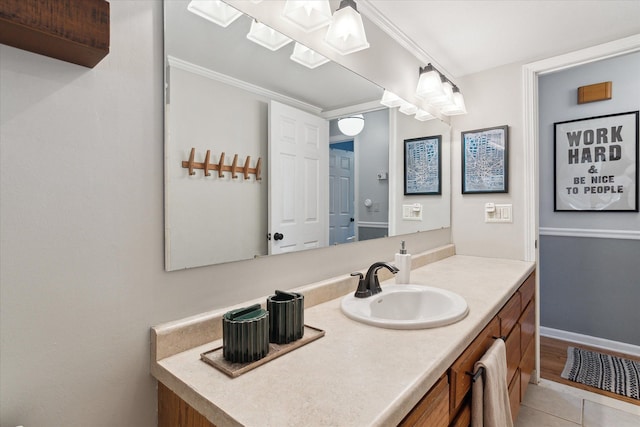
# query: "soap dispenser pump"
[[403, 262]]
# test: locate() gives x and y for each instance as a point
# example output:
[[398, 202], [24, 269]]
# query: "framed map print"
[[423, 165], [596, 163], [485, 160]]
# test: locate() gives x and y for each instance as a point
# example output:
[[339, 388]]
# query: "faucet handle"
[[357, 273], [363, 291]]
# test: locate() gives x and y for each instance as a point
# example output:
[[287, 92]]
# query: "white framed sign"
[[596, 163]]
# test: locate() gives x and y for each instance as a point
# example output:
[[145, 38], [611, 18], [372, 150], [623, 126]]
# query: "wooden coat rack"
[[221, 167]]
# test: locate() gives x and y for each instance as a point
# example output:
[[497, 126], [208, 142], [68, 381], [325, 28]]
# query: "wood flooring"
[[553, 356]]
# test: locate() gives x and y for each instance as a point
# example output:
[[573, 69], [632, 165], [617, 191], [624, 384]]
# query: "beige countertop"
[[356, 375]]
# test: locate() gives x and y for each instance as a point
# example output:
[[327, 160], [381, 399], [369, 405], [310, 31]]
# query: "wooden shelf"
[[75, 31]]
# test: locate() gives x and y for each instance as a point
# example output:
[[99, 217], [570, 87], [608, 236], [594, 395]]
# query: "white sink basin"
[[407, 307]]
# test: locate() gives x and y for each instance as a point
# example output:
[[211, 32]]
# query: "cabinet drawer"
[[463, 419], [527, 325], [527, 289], [509, 315], [513, 352], [433, 408], [514, 396], [526, 367], [459, 380]]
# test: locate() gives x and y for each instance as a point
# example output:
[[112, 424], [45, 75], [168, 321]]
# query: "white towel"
[[490, 395]]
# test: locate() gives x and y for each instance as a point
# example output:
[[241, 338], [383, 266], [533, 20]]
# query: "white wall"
[[81, 235], [493, 98], [203, 228]]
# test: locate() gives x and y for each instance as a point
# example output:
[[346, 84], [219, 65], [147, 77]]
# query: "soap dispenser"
[[403, 262]]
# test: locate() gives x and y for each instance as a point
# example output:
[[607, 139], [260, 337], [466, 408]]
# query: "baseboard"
[[620, 347]]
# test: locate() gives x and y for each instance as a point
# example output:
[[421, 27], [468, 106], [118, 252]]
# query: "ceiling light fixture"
[[346, 33], [352, 125], [215, 11], [307, 57], [309, 15], [266, 36], [458, 106]]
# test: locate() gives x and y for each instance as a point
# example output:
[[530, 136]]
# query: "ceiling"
[[465, 37]]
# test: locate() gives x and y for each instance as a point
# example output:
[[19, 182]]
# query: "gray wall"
[[588, 285], [372, 156]]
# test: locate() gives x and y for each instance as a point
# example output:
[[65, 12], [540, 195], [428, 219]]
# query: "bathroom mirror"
[[219, 87]]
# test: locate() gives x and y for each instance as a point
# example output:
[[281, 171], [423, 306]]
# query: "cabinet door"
[[433, 408]]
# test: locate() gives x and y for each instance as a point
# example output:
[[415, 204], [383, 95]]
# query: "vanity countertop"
[[356, 375]]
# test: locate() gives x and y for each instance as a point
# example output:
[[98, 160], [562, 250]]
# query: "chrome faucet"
[[370, 285]]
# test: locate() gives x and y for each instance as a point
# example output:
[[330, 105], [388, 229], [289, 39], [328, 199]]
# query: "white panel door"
[[298, 179], [341, 197]]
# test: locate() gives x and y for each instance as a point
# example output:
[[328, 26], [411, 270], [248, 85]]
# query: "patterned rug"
[[602, 371]]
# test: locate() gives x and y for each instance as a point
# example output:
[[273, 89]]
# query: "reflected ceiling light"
[[458, 106], [307, 57], [390, 99], [352, 125], [309, 15], [423, 115], [346, 33], [266, 36], [408, 108], [215, 11], [430, 83]]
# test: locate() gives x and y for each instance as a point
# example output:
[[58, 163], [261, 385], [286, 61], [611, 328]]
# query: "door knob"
[[278, 236]]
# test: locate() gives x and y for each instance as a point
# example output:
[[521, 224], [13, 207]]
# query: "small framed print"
[[485, 160], [423, 165], [596, 163]]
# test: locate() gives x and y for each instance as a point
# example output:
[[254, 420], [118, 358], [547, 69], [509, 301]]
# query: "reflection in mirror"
[[221, 90]]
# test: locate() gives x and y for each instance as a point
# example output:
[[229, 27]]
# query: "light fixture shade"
[[266, 36], [408, 108], [423, 115], [307, 57], [429, 84], [215, 11], [352, 125], [346, 33], [390, 99], [458, 106], [309, 15]]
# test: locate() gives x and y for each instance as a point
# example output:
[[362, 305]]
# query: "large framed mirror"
[[226, 94]]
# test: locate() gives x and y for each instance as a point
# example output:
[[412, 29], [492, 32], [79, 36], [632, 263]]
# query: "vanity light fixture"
[[307, 57], [266, 36], [429, 83], [309, 15], [352, 125], [423, 115], [408, 108], [346, 33], [458, 106], [446, 98], [390, 99], [215, 11]]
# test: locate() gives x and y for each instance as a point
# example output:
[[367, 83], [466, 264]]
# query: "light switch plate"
[[412, 212], [501, 213]]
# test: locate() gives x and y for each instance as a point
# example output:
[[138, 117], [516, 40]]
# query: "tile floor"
[[551, 404]]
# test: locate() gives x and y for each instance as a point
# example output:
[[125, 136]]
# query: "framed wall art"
[[596, 163], [485, 160], [423, 165]]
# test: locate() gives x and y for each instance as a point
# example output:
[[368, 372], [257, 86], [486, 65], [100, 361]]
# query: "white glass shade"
[[408, 108], [446, 99], [430, 85], [352, 125], [266, 36], [346, 33], [307, 57], [458, 106], [423, 116], [390, 99], [215, 11], [309, 15]]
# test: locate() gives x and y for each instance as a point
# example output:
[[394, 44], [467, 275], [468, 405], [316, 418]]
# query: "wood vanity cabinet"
[[516, 323]]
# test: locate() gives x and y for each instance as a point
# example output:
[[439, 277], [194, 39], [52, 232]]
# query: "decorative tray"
[[216, 359]]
